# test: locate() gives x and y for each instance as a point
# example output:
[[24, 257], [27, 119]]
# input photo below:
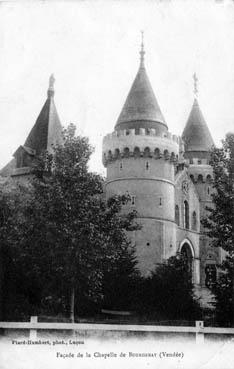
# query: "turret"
[[140, 156], [198, 142], [45, 133]]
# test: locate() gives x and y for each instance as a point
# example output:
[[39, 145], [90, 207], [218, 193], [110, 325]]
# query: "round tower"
[[140, 156]]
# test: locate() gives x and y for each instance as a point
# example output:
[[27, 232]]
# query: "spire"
[[47, 128], [141, 109], [196, 134], [142, 51], [50, 91]]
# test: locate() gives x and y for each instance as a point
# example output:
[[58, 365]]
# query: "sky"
[[92, 47]]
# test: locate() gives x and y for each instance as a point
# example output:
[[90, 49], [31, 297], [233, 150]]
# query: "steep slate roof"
[[45, 132], [141, 103], [196, 134], [47, 129]]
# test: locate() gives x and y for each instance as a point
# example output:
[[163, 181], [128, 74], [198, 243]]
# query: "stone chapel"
[[168, 178]]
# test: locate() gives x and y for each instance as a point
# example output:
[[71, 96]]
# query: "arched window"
[[186, 214], [194, 221], [186, 253], [177, 215]]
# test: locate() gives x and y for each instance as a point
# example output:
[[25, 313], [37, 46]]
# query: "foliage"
[[223, 291], [121, 281], [12, 196], [219, 223], [168, 292], [69, 236], [219, 226]]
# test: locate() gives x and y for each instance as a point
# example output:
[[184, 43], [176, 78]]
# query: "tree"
[[168, 293], [12, 196], [68, 233], [219, 225], [121, 281]]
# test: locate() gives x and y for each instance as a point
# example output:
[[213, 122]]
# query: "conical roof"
[[196, 134], [47, 129], [141, 103]]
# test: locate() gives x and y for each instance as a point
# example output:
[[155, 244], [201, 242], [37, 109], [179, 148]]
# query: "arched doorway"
[[187, 252]]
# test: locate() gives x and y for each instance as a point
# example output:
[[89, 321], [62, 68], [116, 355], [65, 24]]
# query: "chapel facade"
[[168, 178]]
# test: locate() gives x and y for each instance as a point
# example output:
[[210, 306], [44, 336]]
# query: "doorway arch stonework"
[[186, 248]]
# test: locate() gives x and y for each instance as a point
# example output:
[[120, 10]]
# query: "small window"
[[137, 131], [121, 165], [148, 244], [160, 201], [199, 161], [177, 215], [147, 131], [190, 161], [208, 190], [147, 165], [127, 132], [133, 200]]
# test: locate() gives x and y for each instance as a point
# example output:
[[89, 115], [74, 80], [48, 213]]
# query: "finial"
[[142, 52], [195, 89], [50, 91]]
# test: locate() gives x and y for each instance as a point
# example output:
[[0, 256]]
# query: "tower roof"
[[196, 134], [141, 103], [47, 129]]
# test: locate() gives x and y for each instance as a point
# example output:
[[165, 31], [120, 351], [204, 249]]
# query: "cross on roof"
[[195, 80], [142, 52]]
